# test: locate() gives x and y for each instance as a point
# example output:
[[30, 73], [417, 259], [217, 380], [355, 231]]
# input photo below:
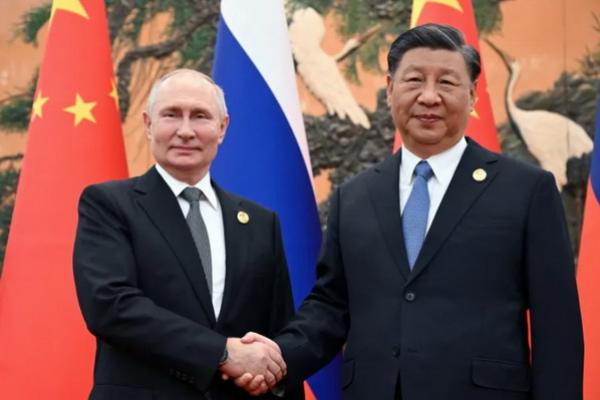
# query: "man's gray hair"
[[219, 94]]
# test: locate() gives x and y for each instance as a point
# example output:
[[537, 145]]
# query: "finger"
[[274, 369], [270, 343], [244, 380], [271, 379], [224, 377], [255, 383], [261, 390], [278, 359], [250, 337]]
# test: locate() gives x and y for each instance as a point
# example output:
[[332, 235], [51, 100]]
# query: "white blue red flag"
[[265, 153], [588, 273]]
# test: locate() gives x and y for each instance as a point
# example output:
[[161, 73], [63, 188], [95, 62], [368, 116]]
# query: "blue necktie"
[[416, 210]]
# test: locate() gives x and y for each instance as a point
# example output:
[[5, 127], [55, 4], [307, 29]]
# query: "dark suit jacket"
[[455, 328], [143, 294]]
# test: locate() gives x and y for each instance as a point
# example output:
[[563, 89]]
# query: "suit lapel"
[[162, 208], [462, 192], [235, 244], [385, 198]]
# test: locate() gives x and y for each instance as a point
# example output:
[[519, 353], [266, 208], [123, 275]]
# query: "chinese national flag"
[[459, 14], [588, 274], [74, 139]]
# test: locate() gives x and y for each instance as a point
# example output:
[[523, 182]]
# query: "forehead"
[[437, 60], [186, 88]]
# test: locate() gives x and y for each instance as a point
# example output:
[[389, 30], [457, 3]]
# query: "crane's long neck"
[[511, 107]]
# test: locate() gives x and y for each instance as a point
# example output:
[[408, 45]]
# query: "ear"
[[473, 95], [390, 87], [223, 127], [147, 123]]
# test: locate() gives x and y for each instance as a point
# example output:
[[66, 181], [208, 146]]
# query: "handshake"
[[254, 362]]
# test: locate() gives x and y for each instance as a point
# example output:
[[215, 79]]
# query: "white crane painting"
[[550, 137]]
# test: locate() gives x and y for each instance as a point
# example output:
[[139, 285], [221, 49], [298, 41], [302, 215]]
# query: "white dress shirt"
[[210, 208], [443, 166]]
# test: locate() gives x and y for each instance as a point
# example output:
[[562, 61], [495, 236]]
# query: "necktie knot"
[[191, 194], [423, 170]]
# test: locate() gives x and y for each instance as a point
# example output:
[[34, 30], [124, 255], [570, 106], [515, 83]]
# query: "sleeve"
[[282, 309], [282, 300], [556, 328], [116, 310], [320, 327]]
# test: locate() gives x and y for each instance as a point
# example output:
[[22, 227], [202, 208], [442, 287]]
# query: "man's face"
[[430, 97], [185, 126]]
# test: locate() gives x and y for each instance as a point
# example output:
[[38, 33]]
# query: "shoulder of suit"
[[113, 185], [387, 164], [520, 167]]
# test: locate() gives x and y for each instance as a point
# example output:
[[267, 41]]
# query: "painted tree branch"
[[11, 158], [117, 17], [204, 13]]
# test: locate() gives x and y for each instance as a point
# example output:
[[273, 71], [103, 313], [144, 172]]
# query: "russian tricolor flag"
[[588, 273], [265, 153]]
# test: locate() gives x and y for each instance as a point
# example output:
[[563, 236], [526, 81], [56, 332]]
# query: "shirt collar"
[[177, 186], [443, 164]]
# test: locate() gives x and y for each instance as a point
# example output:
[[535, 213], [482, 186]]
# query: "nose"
[[185, 130], [429, 95]]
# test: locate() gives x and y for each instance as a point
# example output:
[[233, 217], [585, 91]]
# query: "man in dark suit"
[[170, 269], [434, 257]]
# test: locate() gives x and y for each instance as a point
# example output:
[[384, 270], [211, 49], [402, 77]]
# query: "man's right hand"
[[255, 365]]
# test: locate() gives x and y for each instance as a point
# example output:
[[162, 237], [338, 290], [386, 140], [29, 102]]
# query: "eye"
[[200, 115], [412, 79], [448, 82]]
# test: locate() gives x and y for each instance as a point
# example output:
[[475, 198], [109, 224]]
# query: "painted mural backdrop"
[[542, 60]]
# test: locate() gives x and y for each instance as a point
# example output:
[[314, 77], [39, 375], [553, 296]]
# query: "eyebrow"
[[419, 68], [178, 108]]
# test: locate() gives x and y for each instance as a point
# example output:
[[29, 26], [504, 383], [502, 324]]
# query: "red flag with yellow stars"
[[459, 14], [74, 139]]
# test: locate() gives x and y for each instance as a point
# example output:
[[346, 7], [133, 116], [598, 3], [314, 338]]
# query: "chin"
[[428, 138]]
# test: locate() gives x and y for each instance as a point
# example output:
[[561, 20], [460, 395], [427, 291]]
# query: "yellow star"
[[73, 6], [114, 93], [419, 5], [38, 105], [474, 114], [82, 110]]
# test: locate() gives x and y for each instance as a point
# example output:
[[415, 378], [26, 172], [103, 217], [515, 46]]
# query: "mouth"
[[185, 148], [427, 118]]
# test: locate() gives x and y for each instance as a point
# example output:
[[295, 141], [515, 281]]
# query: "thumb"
[[250, 337]]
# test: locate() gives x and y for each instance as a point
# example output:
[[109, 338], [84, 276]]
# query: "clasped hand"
[[254, 363]]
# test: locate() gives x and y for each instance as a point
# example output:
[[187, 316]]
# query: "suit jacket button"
[[395, 352], [409, 296]]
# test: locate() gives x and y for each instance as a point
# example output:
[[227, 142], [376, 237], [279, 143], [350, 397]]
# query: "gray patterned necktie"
[[194, 220]]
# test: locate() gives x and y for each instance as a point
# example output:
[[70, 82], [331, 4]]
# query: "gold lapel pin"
[[479, 175], [243, 217]]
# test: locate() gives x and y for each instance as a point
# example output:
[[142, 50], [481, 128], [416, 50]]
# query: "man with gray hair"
[[171, 270]]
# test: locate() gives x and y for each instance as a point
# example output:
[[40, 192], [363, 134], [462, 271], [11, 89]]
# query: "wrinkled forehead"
[[429, 59]]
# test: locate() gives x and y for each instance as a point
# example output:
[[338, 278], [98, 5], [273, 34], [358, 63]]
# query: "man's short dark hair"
[[434, 36]]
